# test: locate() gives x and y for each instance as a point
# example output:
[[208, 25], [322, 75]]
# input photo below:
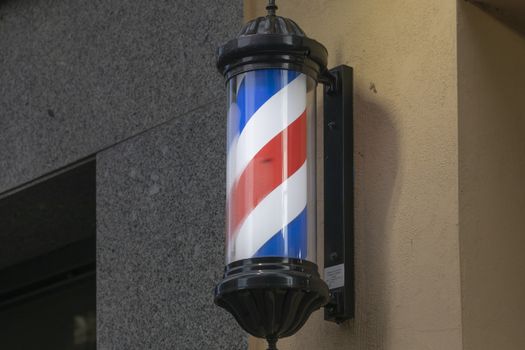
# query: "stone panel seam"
[[90, 156], [154, 127]]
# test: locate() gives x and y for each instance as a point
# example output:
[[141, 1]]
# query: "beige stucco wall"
[[407, 250], [491, 67]]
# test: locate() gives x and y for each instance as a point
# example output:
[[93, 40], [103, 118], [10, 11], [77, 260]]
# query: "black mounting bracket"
[[339, 194]]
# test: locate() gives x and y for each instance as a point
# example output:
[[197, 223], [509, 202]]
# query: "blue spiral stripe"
[[295, 233], [257, 88]]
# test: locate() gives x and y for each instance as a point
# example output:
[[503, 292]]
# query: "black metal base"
[[271, 298]]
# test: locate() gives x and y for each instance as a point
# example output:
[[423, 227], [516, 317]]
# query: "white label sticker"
[[334, 276]]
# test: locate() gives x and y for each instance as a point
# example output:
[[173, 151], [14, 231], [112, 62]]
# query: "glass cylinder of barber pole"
[[271, 166]]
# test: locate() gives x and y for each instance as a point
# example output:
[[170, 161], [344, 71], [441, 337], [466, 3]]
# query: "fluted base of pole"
[[271, 298]]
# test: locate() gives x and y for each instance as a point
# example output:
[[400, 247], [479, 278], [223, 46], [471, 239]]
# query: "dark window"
[[47, 262]]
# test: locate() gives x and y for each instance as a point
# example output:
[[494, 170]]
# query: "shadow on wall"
[[376, 164], [491, 60], [509, 13]]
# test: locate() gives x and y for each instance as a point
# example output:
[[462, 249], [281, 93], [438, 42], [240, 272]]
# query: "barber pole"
[[271, 283], [267, 171]]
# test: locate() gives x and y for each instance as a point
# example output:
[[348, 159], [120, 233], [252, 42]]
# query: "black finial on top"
[[271, 7]]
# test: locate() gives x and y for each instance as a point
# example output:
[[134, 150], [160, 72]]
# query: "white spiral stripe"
[[268, 121], [272, 214]]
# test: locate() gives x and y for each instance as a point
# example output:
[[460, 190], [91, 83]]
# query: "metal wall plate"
[[339, 195]]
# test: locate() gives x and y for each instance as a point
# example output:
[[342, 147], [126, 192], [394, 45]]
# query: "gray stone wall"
[[160, 238], [78, 76], [134, 83]]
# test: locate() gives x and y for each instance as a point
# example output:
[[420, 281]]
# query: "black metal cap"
[[272, 42]]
